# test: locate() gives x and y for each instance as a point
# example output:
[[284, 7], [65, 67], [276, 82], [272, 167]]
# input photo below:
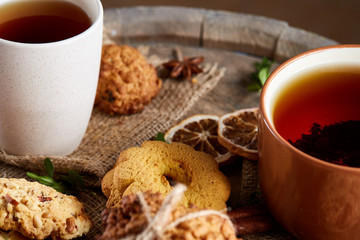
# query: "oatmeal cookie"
[[38, 211], [157, 165], [127, 82], [129, 219]]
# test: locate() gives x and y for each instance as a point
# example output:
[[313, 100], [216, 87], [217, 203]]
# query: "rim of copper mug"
[[273, 131]]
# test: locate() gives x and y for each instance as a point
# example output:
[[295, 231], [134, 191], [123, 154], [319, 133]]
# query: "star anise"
[[185, 68]]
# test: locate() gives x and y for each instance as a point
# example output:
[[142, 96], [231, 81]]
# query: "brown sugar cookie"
[[130, 220], [156, 166], [127, 82], [38, 211]]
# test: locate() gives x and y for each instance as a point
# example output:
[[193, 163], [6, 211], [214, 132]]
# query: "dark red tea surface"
[[41, 21], [323, 97]]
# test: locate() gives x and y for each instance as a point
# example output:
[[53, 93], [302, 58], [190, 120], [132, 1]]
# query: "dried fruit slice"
[[238, 132], [200, 132]]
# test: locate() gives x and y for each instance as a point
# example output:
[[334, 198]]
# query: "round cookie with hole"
[[157, 166]]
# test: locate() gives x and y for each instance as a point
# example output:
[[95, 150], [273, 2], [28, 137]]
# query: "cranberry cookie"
[[38, 211]]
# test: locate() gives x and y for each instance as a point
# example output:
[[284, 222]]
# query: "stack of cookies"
[[139, 217]]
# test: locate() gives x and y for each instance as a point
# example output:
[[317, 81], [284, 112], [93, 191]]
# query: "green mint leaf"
[[73, 180], [258, 66], [265, 61], [261, 74], [254, 87], [76, 179], [60, 187], [67, 181], [71, 183], [42, 179], [160, 137], [33, 175], [46, 180], [49, 167]]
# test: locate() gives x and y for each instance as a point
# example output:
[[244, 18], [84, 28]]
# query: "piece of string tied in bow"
[[158, 224]]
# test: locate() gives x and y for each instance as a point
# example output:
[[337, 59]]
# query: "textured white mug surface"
[[47, 90]]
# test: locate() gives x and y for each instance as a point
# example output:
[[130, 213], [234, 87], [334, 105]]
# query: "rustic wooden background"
[[335, 19]]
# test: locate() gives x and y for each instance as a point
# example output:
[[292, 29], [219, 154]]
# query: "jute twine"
[[158, 224]]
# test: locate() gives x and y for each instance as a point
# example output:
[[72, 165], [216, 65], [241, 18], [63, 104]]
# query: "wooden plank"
[[242, 32], [294, 41], [245, 33], [155, 24]]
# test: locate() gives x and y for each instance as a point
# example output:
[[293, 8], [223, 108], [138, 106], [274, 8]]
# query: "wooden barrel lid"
[[251, 34]]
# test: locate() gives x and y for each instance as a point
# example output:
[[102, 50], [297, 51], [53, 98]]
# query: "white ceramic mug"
[[47, 90]]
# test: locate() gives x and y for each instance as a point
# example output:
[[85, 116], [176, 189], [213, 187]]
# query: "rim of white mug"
[[94, 25]]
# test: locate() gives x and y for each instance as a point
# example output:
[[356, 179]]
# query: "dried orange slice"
[[238, 132], [200, 132]]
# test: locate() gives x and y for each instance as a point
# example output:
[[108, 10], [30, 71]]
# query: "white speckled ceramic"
[[47, 90]]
